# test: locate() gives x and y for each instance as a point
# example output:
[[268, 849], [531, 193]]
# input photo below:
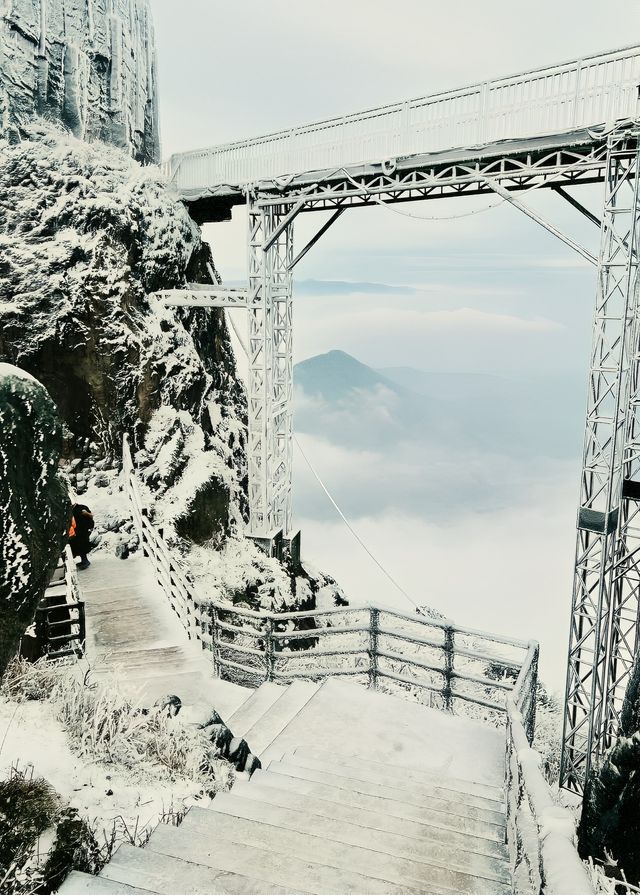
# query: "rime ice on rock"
[[90, 65], [33, 501]]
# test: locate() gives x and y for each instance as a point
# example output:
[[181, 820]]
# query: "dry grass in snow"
[[104, 726], [121, 768]]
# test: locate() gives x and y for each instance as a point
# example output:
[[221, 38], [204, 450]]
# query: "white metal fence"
[[596, 90]]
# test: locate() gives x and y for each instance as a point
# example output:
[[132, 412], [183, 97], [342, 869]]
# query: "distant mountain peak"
[[336, 375]]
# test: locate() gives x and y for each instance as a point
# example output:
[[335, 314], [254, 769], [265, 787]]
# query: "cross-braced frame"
[[604, 604], [270, 391]]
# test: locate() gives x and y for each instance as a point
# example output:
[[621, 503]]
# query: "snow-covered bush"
[[610, 824], [548, 733], [41, 839]]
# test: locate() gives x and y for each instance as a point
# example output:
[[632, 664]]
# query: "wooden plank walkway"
[[134, 636]]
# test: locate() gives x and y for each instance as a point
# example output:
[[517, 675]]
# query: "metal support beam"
[[578, 205], [203, 297], [606, 573], [509, 197], [314, 239]]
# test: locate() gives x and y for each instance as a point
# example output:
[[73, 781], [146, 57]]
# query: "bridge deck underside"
[[565, 159]]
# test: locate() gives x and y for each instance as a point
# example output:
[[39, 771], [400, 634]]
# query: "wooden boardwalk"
[[134, 636]]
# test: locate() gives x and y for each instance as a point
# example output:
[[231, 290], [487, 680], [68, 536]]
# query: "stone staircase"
[[360, 792]]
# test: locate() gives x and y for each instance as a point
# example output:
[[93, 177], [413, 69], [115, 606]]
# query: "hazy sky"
[[488, 293]]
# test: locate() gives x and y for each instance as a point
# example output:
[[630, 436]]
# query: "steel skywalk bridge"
[[556, 128]]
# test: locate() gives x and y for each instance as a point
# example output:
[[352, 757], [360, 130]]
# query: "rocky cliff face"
[[34, 506], [89, 64], [86, 234]]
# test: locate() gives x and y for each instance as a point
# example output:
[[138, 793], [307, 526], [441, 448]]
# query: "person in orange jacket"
[[81, 525]]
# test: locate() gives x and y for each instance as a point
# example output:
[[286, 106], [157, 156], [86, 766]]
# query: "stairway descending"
[[360, 792]]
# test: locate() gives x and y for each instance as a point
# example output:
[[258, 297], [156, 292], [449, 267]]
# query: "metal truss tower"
[[604, 614], [270, 369]]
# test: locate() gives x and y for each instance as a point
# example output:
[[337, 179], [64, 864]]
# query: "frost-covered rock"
[[34, 506], [86, 234], [90, 65]]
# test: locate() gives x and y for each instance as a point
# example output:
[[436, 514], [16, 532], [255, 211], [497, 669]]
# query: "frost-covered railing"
[[599, 89], [540, 833], [60, 618], [434, 661]]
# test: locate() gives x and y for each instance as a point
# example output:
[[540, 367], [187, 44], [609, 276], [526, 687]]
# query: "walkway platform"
[[134, 636]]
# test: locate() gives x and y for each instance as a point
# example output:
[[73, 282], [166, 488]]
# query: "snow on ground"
[[30, 735]]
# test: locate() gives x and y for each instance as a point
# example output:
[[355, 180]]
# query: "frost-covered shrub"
[[548, 734], [31, 813], [610, 824]]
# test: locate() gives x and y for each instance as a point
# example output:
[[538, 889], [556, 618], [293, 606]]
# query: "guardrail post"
[[213, 631], [269, 657], [143, 535], [530, 720], [449, 647], [374, 629]]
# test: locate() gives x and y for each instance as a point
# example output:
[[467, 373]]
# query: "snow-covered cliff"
[[86, 234], [90, 64]]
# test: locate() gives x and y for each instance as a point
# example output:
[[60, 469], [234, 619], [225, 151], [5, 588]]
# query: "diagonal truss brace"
[[539, 219]]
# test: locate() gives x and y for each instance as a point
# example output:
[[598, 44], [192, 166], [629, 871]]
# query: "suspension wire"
[[353, 531], [239, 336]]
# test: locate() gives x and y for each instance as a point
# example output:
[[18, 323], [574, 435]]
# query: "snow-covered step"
[[250, 712], [344, 856], [415, 773], [251, 858], [296, 696], [86, 884], [417, 795], [389, 776], [317, 787], [164, 875], [437, 854], [380, 820]]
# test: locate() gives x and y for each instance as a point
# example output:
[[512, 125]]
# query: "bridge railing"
[[583, 93]]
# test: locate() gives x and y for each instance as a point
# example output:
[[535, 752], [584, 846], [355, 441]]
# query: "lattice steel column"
[[270, 368], [625, 616], [598, 581]]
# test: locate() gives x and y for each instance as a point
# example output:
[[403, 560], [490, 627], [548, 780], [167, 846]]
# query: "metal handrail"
[[368, 641], [576, 95], [540, 833]]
